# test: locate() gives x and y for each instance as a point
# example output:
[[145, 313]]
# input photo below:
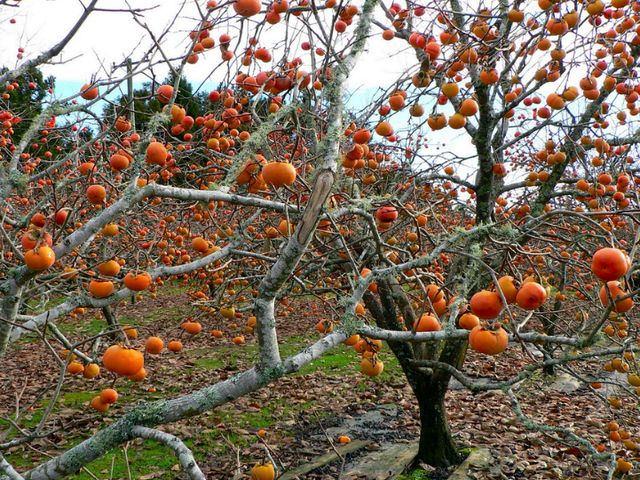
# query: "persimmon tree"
[[519, 232], [547, 162]]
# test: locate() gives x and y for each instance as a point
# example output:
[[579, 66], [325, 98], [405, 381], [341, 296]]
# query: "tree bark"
[[548, 326], [9, 304], [437, 447], [112, 321]]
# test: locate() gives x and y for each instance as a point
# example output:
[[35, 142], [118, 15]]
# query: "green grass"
[[145, 458], [341, 360], [338, 361], [223, 355], [415, 475], [34, 304], [71, 400], [465, 452], [209, 363], [93, 322], [148, 457], [262, 418], [77, 399], [83, 326]]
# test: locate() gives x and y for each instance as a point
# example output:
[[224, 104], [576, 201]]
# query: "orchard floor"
[[296, 411]]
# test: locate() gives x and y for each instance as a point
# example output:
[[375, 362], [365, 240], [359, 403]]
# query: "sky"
[[109, 37]]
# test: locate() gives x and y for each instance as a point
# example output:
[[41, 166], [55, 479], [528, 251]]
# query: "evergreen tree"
[[26, 98], [145, 103]]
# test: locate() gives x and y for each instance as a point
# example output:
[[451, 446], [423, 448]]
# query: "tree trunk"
[[437, 447], [9, 305], [112, 321], [548, 326]]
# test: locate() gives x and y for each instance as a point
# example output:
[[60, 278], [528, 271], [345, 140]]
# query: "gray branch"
[[7, 469], [52, 52], [184, 454]]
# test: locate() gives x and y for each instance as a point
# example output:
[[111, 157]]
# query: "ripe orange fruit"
[[108, 396], [40, 259], [30, 239], [279, 174], [490, 342], [457, 121], [433, 50], [384, 129], [616, 291], [531, 295], [450, 89], [362, 136], [352, 340], [368, 345], [90, 371], [156, 153], [371, 366], [89, 92], [324, 326], [199, 244], [396, 102], [439, 121], [164, 93], [138, 376], [468, 321], [100, 289], [508, 287], [468, 107], [634, 379], [191, 327], [386, 214], [138, 282], [622, 466], [122, 125], [110, 230], [228, 312], [130, 332], [263, 471], [426, 323], [516, 16], [486, 304], [555, 101], [247, 8], [75, 368], [96, 194], [119, 162], [122, 361], [99, 405], [110, 268], [154, 345], [609, 264]]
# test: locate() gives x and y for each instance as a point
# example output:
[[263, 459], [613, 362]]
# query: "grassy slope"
[[150, 460]]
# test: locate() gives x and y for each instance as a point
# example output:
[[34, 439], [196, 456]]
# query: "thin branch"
[[184, 454]]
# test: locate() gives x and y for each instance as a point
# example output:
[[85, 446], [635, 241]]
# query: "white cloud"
[[109, 37]]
